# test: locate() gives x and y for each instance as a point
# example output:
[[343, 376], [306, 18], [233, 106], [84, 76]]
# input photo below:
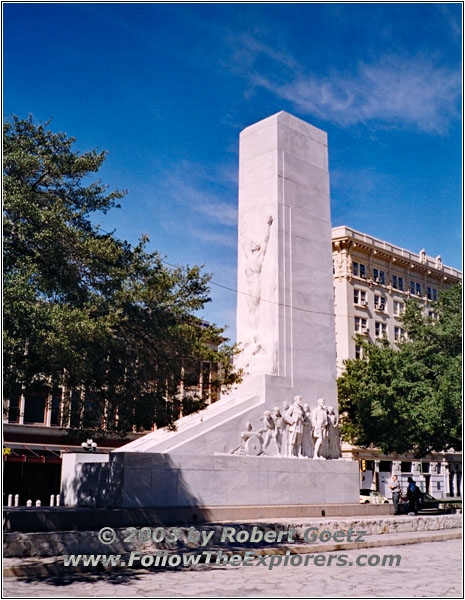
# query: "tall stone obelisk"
[[285, 305]]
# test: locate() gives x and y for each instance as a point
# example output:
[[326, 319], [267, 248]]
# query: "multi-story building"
[[372, 281]]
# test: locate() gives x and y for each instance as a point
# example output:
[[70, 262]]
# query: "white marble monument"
[[285, 325], [285, 305]]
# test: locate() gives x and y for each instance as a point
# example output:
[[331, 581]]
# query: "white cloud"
[[221, 212], [249, 46], [392, 91], [451, 16], [214, 237], [198, 189]]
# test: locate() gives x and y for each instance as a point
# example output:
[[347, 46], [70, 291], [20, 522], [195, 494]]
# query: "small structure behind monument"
[[256, 446]]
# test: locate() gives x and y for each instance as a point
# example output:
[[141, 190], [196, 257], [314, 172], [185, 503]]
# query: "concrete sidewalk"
[[425, 570], [53, 566]]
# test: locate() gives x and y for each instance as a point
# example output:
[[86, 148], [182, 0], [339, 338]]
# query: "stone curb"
[[397, 539], [56, 543], [53, 566]]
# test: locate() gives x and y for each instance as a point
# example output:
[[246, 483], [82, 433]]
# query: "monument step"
[[74, 518]]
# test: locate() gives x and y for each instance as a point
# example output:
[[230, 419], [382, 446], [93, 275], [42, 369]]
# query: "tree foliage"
[[409, 398], [84, 311]]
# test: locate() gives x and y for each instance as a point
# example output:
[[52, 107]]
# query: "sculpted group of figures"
[[294, 431]]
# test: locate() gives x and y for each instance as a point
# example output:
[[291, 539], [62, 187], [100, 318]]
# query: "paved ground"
[[432, 569]]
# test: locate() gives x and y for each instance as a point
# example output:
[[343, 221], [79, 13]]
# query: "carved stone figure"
[[334, 437], [290, 432], [339, 266], [278, 431], [320, 427], [251, 444], [268, 430], [285, 450], [307, 437], [298, 419], [254, 252]]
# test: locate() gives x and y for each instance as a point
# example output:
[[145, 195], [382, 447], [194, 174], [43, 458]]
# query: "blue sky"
[[166, 89]]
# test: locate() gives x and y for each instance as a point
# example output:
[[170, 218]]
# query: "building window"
[[438, 468], [380, 329], [358, 269], [75, 409], [399, 334], [55, 407], [360, 297], [432, 294], [358, 351], [378, 276], [405, 467], [13, 415], [398, 283], [415, 288], [438, 485], [361, 325], [398, 308], [380, 303], [11, 402], [34, 407]]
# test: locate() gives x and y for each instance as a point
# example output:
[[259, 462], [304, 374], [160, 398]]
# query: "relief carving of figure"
[[291, 432], [333, 434], [339, 265], [254, 252], [298, 420], [251, 444], [307, 437], [279, 427], [268, 431], [286, 423], [320, 427]]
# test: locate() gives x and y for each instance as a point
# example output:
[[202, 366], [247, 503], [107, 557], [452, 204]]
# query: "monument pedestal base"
[[133, 480]]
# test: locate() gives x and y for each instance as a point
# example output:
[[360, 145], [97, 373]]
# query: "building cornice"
[[344, 237]]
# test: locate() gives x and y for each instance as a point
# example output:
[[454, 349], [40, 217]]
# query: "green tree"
[[409, 397], [86, 312]]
